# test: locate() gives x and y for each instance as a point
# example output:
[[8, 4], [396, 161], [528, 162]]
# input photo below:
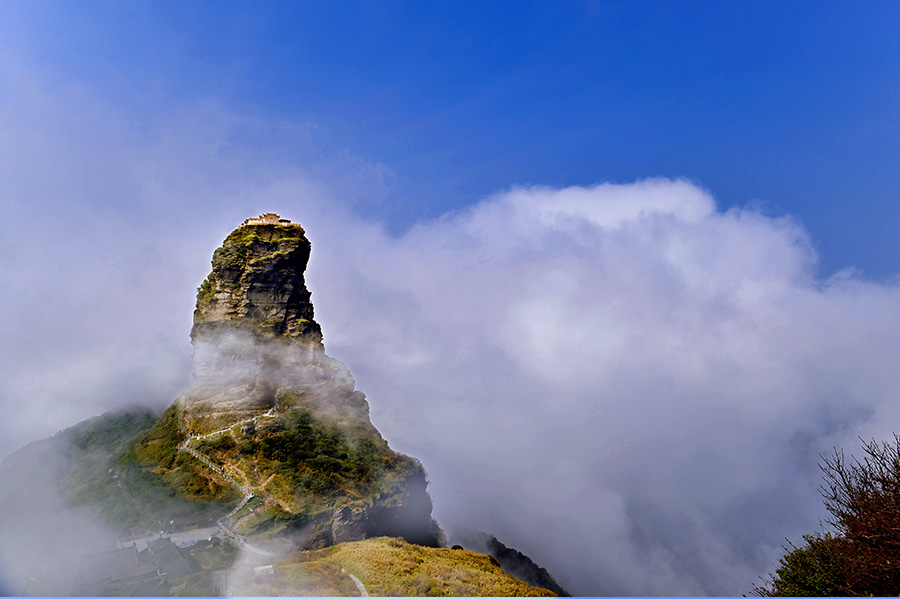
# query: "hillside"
[[270, 419], [270, 450]]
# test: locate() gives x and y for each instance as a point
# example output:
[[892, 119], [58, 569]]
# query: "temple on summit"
[[269, 218]]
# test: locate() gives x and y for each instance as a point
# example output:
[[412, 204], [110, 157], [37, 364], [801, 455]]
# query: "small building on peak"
[[269, 218]]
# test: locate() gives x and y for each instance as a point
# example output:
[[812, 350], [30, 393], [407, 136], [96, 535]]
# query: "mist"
[[623, 381], [45, 542]]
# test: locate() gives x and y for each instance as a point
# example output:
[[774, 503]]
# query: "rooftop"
[[269, 218]]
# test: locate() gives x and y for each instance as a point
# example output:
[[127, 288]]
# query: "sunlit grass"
[[393, 567]]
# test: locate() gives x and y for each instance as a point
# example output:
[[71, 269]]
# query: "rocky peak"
[[257, 281], [254, 331], [268, 406]]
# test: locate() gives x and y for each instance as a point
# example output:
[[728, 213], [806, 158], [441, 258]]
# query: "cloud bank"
[[622, 381]]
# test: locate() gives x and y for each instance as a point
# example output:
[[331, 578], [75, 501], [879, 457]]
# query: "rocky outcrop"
[[348, 524], [271, 409], [512, 561], [257, 282], [254, 331]]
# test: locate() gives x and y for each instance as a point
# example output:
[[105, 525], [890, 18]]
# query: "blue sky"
[[791, 104], [643, 255]]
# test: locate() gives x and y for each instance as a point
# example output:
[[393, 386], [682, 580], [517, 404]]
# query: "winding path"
[[358, 583], [248, 494], [244, 490], [272, 413], [229, 534]]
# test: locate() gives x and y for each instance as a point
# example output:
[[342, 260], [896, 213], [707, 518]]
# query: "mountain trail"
[[359, 585]]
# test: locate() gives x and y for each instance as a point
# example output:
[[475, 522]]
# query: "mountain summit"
[[257, 282], [270, 421], [254, 330]]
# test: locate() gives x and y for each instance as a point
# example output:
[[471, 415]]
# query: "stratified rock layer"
[[257, 282], [254, 333]]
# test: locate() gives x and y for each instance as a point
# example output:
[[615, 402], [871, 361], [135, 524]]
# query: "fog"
[[625, 382], [621, 381], [44, 540]]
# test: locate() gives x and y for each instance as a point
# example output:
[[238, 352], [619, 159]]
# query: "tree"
[[862, 557]]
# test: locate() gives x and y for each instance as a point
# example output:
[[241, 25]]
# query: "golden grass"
[[386, 566], [393, 567]]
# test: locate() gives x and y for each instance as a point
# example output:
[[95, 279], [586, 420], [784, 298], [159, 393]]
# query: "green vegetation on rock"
[[255, 241], [318, 459], [257, 282], [207, 292], [267, 414]]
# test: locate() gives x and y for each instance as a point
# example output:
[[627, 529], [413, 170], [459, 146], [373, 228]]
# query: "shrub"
[[863, 556], [818, 569]]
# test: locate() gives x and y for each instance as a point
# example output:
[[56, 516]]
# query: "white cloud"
[[622, 381], [619, 380]]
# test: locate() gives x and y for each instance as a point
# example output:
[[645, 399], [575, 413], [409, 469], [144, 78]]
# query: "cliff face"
[[268, 415], [257, 282], [254, 331]]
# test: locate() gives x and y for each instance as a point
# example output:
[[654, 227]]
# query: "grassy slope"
[[386, 566], [306, 461], [392, 567], [155, 459], [127, 468], [106, 475]]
